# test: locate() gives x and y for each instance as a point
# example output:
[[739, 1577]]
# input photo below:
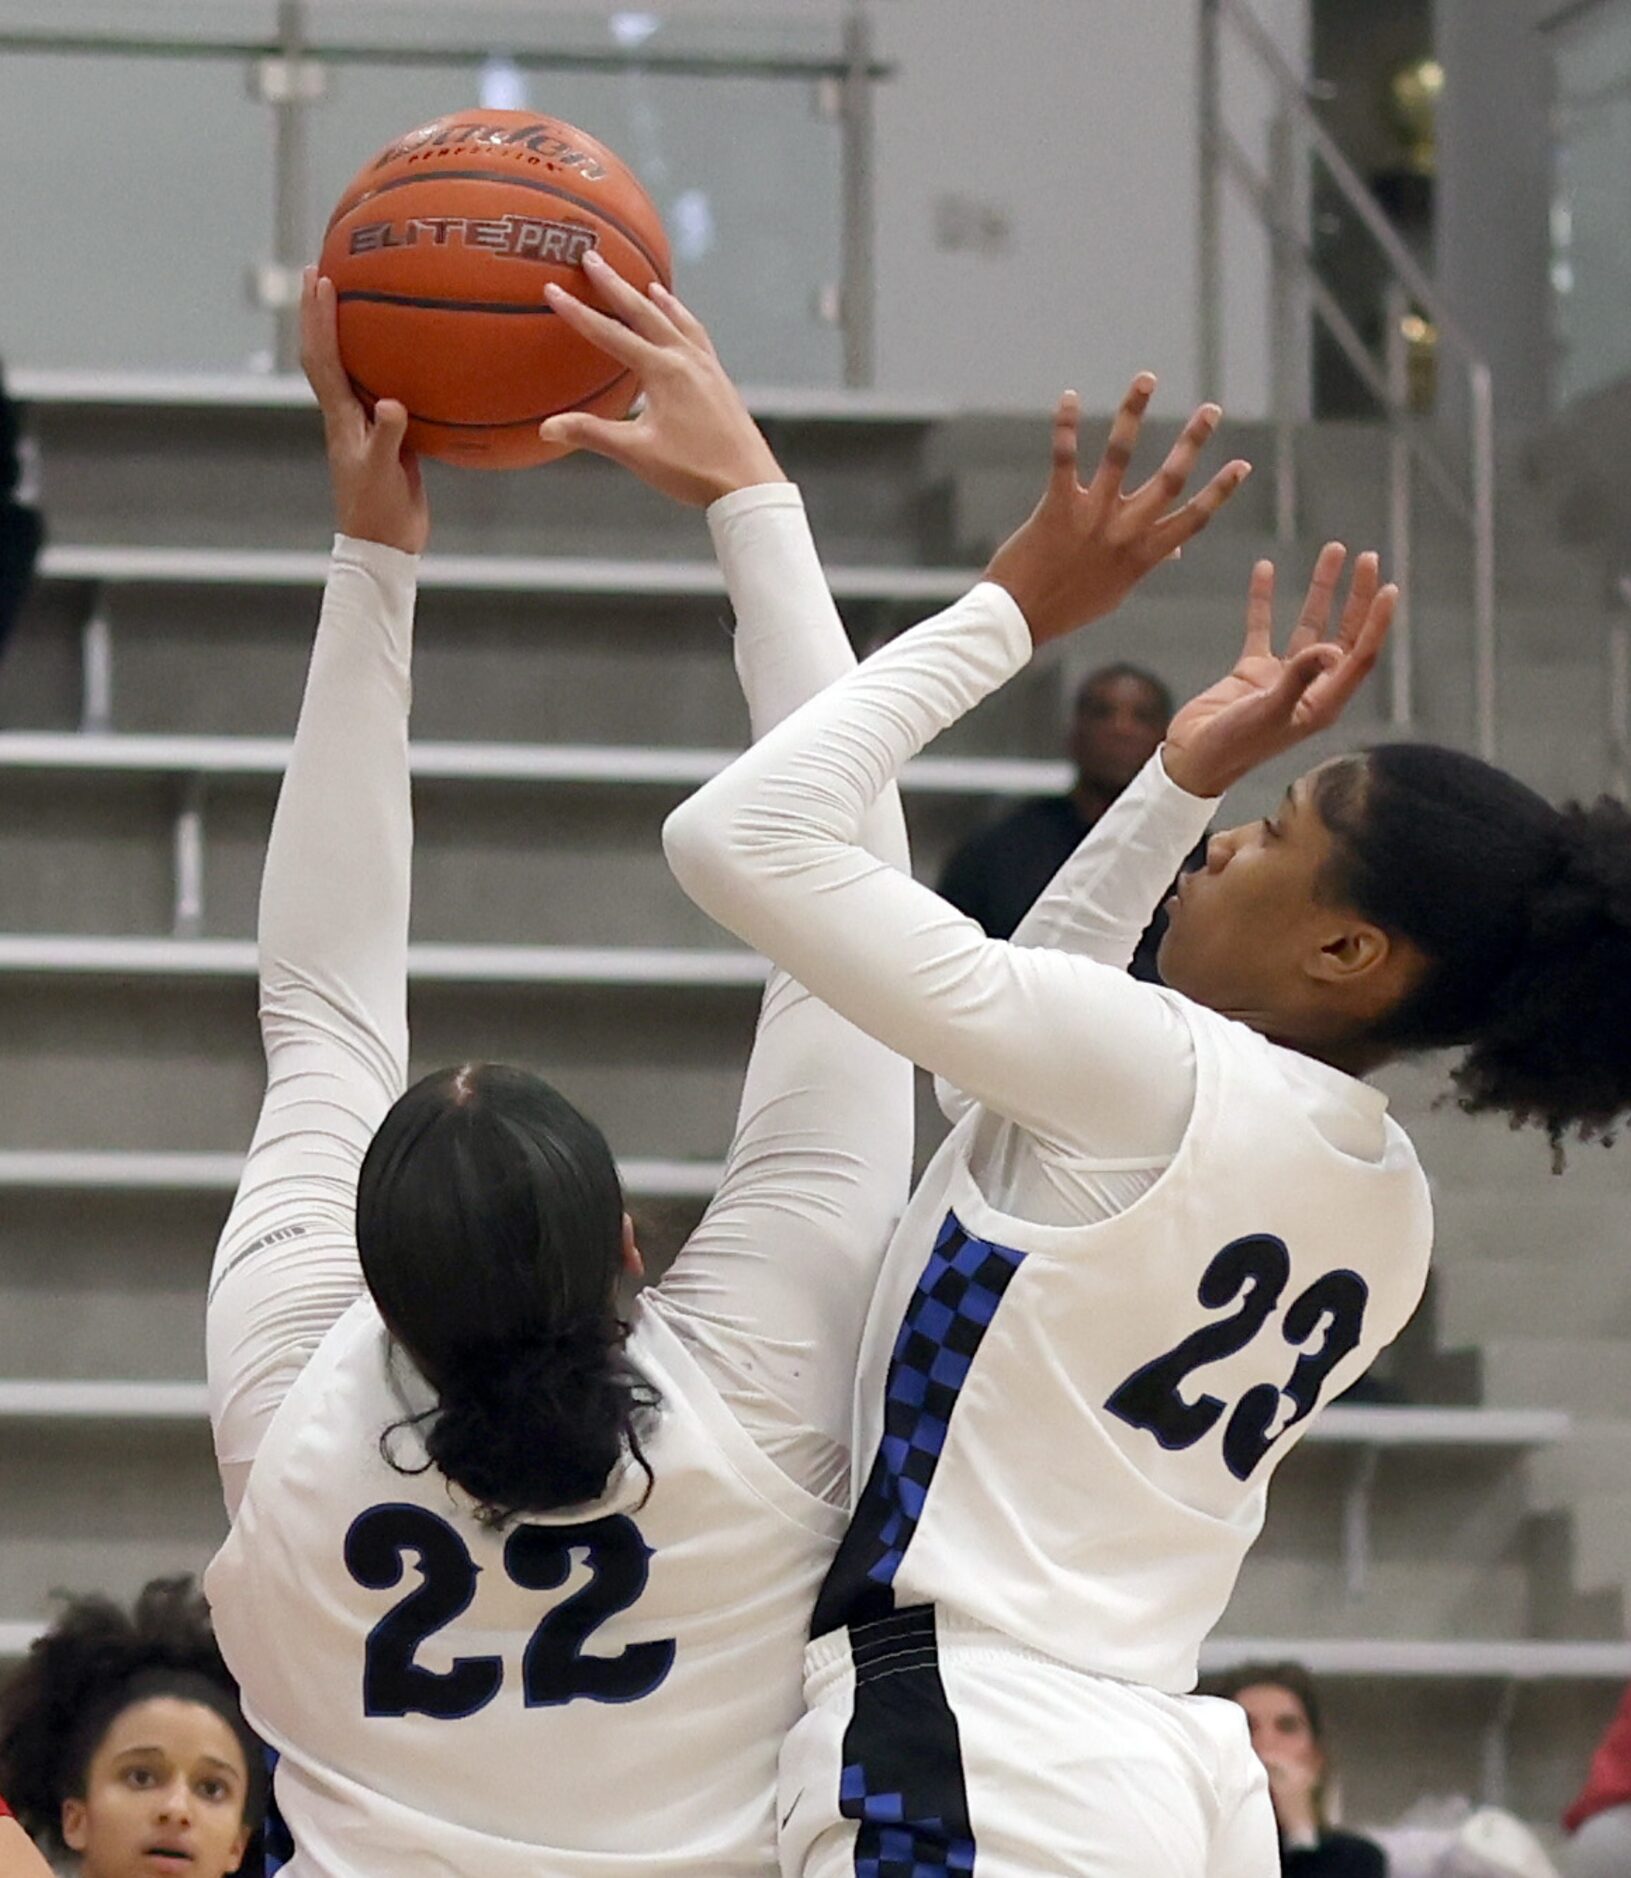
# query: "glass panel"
[[1591, 214], [133, 250], [129, 248], [744, 170]]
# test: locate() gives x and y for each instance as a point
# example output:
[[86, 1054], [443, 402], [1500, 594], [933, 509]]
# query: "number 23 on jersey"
[[554, 1666], [1254, 1270]]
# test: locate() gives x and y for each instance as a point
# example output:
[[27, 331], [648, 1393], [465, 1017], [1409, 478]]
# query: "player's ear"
[[633, 1263]]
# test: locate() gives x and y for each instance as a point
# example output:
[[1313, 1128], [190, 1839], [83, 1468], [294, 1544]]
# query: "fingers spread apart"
[[1124, 429], [1167, 484]]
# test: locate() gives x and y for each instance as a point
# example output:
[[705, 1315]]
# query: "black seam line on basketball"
[[508, 423], [374, 297], [518, 182]]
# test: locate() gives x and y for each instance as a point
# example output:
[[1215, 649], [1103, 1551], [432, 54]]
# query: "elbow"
[[696, 843]]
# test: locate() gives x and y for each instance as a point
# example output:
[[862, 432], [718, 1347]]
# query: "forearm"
[[333, 924], [790, 642], [769, 849], [1102, 899], [771, 1290]]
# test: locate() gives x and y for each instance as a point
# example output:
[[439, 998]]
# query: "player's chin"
[[1174, 959]]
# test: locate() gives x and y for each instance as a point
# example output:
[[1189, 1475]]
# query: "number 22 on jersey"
[[1255, 1271], [554, 1668]]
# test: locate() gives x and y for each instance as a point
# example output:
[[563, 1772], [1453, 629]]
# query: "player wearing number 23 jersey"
[[1153, 1244], [600, 1690]]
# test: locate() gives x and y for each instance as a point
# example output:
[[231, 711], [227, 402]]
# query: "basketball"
[[440, 250]]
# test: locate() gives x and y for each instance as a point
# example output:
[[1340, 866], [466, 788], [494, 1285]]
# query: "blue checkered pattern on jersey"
[[950, 1312], [890, 1845]]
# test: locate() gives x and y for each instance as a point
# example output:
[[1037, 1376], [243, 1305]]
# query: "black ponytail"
[[96, 1661], [490, 1225], [1523, 911]]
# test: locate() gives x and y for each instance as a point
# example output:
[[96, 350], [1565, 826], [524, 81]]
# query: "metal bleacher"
[[572, 682]]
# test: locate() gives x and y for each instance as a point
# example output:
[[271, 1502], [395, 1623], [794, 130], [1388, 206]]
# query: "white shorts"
[[931, 1748]]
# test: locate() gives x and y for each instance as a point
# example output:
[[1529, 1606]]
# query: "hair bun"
[[535, 1425]]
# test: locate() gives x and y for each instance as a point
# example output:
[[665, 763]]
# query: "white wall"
[[1075, 121]]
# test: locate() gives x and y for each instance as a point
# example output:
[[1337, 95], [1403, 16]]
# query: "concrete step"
[[218, 476], [1602, 1538], [97, 1064], [1489, 1297], [1589, 1376], [1551, 1228], [1596, 1459], [1403, 1598], [112, 1284], [493, 862], [96, 1509], [505, 668]]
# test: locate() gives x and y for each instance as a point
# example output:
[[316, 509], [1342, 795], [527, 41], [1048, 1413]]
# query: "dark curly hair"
[[490, 1228], [94, 1662], [1523, 911]]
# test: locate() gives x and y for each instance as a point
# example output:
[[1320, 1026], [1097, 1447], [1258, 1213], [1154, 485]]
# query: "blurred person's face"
[[164, 1796], [1117, 727], [1282, 1737]]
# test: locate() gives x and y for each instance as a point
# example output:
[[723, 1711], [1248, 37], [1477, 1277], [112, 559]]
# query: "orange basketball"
[[439, 252]]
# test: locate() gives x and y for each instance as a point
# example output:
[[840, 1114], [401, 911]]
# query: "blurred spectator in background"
[[121, 1741], [21, 531], [1120, 716], [1283, 1709], [1600, 1819]]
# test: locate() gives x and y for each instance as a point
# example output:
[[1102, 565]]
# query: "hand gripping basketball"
[[694, 439]]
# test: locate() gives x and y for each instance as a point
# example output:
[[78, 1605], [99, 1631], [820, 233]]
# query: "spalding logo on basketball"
[[439, 252]]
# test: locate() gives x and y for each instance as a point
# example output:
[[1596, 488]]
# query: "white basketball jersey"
[[602, 1692], [1066, 1433]]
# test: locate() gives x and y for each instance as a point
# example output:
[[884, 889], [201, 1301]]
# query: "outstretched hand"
[[1083, 550], [694, 440], [1272, 701], [379, 494]]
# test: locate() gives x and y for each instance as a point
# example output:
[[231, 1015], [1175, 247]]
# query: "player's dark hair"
[[1122, 668], [96, 1661], [1523, 912], [1287, 1675], [490, 1225]]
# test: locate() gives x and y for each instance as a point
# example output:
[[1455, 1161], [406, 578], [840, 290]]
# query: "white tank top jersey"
[[1098, 1409], [429, 1647]]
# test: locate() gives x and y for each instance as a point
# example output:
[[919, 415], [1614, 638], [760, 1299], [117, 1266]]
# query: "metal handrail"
[[1470, 499], [282, 60]]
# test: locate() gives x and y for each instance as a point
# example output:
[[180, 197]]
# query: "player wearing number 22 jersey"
[[601, 1691], [1153, 1244]]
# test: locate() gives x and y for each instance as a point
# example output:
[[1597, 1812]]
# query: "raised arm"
[[771, 1290], [768, 847], [333, 932]]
